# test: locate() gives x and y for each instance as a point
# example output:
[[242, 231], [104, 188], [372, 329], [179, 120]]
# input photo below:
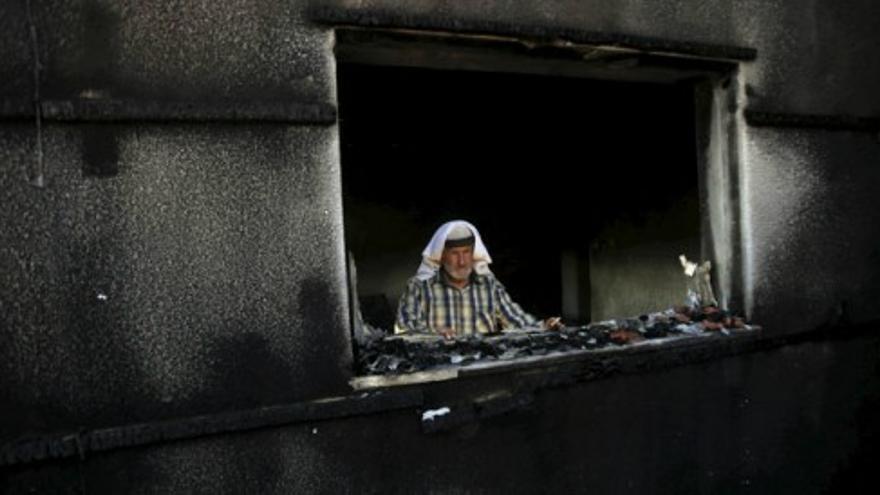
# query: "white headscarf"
[[432, 253]]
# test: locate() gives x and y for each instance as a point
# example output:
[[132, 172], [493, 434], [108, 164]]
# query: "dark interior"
[[539, 164]]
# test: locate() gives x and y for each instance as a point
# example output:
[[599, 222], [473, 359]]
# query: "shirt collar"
[[443, 278]]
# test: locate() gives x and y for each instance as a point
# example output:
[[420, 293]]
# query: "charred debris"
[[389, 355]]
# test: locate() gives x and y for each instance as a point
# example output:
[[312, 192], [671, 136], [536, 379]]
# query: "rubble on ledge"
[[417, 352]]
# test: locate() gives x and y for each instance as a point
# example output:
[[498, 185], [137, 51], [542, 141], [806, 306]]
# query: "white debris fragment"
[[102, 296], [430, 414], [689, 329], [456, 358]]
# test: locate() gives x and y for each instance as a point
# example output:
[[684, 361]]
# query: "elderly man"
[[454, 293]]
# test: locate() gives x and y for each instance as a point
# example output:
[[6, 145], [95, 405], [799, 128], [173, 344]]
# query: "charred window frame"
[[710, 72]]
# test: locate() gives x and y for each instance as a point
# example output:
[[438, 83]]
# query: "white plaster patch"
[[430, 414]]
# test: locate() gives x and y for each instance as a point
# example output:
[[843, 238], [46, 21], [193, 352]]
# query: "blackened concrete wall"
[[175, 269], [167, 269], [812, 247], [204, 275], [262, 50], [797, 419]]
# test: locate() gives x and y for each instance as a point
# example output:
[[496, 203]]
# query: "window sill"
[[642, 355]]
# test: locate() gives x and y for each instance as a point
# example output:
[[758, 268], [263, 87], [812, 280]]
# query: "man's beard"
[[458, 273]]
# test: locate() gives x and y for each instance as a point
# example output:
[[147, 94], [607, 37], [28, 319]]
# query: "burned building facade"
[[182, 184]]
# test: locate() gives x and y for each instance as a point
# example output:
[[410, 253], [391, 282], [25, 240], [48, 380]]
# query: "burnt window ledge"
[[440, 407], [576, 365]]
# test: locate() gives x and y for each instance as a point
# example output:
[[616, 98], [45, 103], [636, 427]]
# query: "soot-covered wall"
[[199, 277], [172, 265], [187, 264]]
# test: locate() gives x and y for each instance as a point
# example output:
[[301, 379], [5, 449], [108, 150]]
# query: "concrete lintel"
[[382, 19]]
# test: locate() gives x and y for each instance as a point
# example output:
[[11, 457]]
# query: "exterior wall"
[[798, 419], [168, 269], [172, 269], [253, 50], [204, 276], [811, 242]]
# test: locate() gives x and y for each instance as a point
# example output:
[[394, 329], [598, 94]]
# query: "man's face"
[[458, 262]]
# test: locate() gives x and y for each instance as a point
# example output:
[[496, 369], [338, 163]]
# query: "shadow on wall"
[[246, 365], [316, 346], [92, 72], [248, 371]]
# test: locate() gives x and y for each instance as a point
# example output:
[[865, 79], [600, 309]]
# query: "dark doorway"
[[579, 187]]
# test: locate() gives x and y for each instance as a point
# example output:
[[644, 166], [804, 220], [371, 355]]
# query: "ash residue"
[[416, 352]]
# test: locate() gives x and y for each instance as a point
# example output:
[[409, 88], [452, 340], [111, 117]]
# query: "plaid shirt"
[[482, 306]]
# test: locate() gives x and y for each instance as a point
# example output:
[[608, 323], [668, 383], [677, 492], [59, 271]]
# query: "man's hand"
[[447, 333], [554, 323]]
